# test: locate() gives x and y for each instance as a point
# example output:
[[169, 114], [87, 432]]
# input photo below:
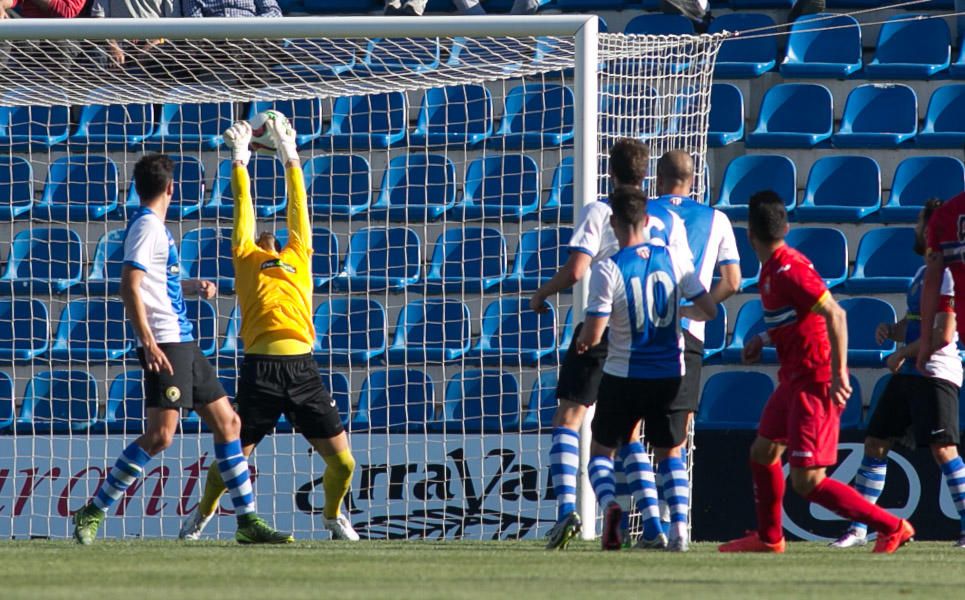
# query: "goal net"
[[444, 164]]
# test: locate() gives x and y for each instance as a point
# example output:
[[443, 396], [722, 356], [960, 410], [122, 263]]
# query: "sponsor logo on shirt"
[[277, 264]]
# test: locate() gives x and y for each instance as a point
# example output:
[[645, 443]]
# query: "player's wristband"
[[239, 154], [287, 152], [765, 339]]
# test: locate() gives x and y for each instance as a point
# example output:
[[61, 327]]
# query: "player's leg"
[[339, 467], [936, 425], [953, 468], [672, 477], [870, 483]]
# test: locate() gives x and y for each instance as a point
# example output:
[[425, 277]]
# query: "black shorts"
[[917, 411], [194, 382], [580, 374], [689, 395], [272, 385], [623, 402]]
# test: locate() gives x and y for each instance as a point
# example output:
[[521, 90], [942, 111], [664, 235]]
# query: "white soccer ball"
[[260, 138]]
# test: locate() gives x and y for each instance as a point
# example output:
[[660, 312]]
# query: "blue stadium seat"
[[349, 331], [24, 329], [267, 189], [8, 410], [653, 24], [826, 247], [726, 115], [416, 188], [514, 335], [232, 347], [480, 401], [733, 400], [16, 187], [105, 272], [381, 258], [58, 401], [366, 122], [715, 334], [590, 5], [95, 330], [338, 386], [957, 69], [851, 418], [566, 336], [395, 400], [919, 178], [884, 262], [467, 259], [401, 55], [206, 254], [537, 116], [460, 115], [746, 175], [205, 320], [25, 128], [750, 265], [793, 115], [559, 205], [486, 55], [823, 46], [750, 322], [79, 188], [114, 126], [43, 260], [315, 59], [188, 189], [944, 125], [125, 405], [634, 111], [431, 331], [878, 116], [539, 255], [739, 57], [841, 189], [758, 4], [325, 256], [305, 115], [337, 185], [864, 314], [500, 187], [542, 404], [191, 126], [910, 48]]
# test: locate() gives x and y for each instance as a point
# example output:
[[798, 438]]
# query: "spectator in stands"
[[697, 11], [49, 9], [465, 7], [133, 9], [227, 8], [805, 7]]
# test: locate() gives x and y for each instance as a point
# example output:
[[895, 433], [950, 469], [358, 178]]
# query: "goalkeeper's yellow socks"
[[214, 487], [338, 477]]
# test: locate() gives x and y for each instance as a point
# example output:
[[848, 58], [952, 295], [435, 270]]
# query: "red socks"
[[768, 497], [848, 503]]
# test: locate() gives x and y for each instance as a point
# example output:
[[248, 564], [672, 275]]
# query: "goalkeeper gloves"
[[283, 135], [238, 138]]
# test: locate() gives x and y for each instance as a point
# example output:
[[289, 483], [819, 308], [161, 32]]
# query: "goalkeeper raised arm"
[[278, 373]]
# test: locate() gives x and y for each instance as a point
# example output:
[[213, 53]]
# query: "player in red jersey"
[[803, 415], [945, 248]]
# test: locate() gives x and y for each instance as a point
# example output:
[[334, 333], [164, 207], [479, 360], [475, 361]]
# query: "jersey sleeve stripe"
[[580, 249], [597, 313], [730, 261], [136, 265], [824, 298]]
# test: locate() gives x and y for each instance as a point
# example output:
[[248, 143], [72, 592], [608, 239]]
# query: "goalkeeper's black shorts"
[[272, 385]]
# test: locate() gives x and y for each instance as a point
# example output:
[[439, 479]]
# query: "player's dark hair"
[[767, 216], [152, 174], [675, 167], [929, 207], [629, 161], [629, 204]]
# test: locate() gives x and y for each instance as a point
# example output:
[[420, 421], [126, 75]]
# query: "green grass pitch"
[[143, 570]]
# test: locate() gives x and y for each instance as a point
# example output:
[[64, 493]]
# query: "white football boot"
[[852, 538], [193, 525], [341, 528]]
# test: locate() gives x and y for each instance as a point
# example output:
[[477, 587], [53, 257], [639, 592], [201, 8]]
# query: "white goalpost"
[[445, 162]]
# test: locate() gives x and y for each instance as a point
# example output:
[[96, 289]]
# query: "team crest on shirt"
[[174, 269], [173, 394], [277, 263], [643, 252]]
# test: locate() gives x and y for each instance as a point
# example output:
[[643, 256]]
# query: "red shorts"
[[802, 415]]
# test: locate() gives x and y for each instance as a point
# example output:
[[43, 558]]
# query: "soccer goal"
[[445, 160]]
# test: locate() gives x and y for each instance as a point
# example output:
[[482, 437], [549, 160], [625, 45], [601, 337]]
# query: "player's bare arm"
[[199, 287], [155, 358], [930, 290], [592, 333], [704, 308], [891, 331], [728, 284], [837, 323], [943, 334], [569, 275]]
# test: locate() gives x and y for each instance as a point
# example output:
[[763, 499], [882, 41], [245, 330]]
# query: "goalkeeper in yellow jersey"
[[278, 373]]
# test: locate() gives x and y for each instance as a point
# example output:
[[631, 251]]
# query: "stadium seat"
[[79, 188], [793, 115], [8, 409], [878, 115], [539, 255], [325, 256], [823, 46], [24, 128], [750, 322], [864, 314], [654, 24], [43, 260], [826, 247], [380, 259], [188, 189], [758, 4], [715, 334], [338, 386], [191, 126], [267, 189], [733, 400], [852, 418], [514, 335], [114, 126], [746, 175], [542, 404], [401, 55], [315, 59], [124, 413], [919, 178], [105, 273], [206, 254], [460, 115], [841, 189], [740, 58], [480, 401], [232, 348], [58, 401], [485, 55], [750, 265], [634, 110], [349, 331], [910, 48], [16, 187], [559, 205], [884, 262], [468, 260], [204, 318], [431, 331], [957, 69], [24, 330], [366, 122], [416, 188], [304, 114], [396, 401], [944, 125], [95, 330], [500, 187], [591, 5], [726, 115], [537, 116], [337, 185]]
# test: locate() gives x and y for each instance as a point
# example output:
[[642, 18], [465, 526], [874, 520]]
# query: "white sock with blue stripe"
[[643, 487], [954, 471], [234, 472], [601, 478], [676, 492], [870, 482], [564, 468], [129, 466]]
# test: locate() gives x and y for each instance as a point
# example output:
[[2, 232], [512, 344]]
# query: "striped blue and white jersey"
[[711, 238], [594, 236], [945, 363], [148, 246], [639, 288]]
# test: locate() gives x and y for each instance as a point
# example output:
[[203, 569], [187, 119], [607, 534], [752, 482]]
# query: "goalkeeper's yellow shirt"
[[274, 289]]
